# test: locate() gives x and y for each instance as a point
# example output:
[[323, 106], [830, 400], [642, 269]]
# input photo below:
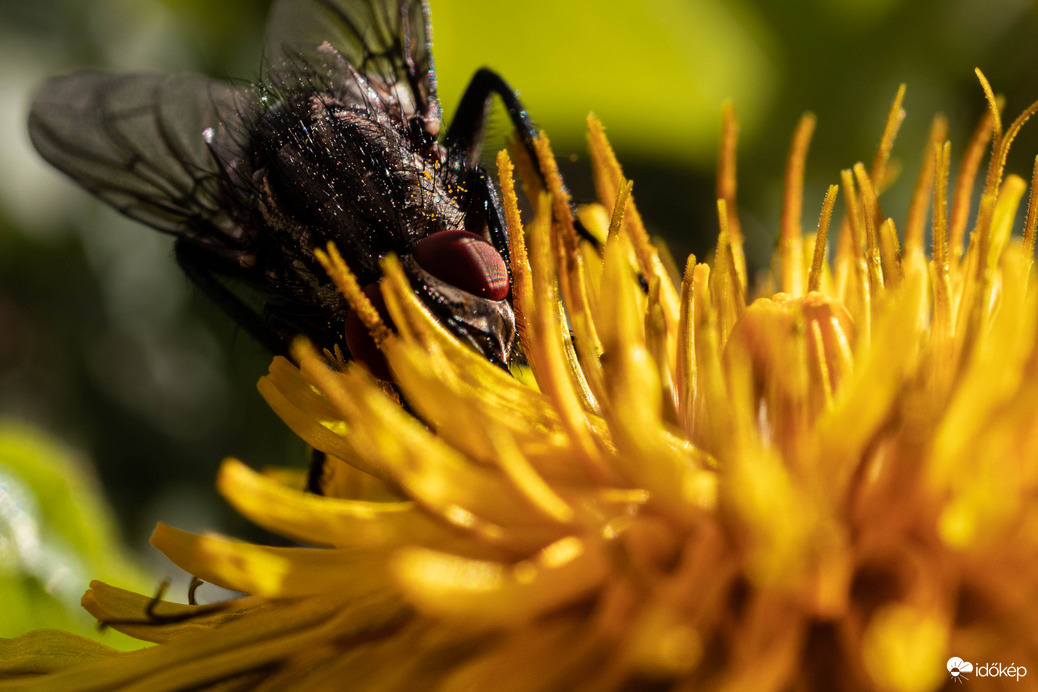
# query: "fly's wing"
[[144, 144], [366, 48]]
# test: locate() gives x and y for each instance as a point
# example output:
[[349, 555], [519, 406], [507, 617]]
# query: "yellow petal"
[[905, 649], [153, 620], [272, 572], [46, 651], [318, 520], [491, 593]]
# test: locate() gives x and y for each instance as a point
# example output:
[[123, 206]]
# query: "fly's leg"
[[315, 476], [465, 134], [466, 131], [201, 268]]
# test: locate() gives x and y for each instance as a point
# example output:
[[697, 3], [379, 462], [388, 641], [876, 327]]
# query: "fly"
[[340, 141]]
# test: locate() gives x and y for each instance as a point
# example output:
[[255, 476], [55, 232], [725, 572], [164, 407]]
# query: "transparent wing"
[[143, 143], [384, 43]]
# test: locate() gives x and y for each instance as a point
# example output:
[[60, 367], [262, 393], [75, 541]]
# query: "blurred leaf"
[[656, 72], [56, 534]]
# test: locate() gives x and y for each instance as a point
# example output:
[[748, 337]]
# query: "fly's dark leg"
[[315, 476], [465, 134], [198, 266]]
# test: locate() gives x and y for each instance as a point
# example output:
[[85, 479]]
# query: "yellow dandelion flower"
[[828, 486]]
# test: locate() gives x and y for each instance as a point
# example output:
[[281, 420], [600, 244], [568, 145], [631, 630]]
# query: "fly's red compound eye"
[[466, 261], [362, 347]]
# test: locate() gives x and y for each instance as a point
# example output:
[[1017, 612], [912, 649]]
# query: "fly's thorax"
[[350, 175]]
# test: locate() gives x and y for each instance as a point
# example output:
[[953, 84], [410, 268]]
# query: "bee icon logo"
[[957, 668]]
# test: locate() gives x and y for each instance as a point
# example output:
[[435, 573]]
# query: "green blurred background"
[[108, 349]]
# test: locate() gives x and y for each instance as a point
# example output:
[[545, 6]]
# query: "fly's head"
[[464, 281]]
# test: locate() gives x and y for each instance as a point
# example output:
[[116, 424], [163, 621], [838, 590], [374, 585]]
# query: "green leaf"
[[655, 72], [56, 535]]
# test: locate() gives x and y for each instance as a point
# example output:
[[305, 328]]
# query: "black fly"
[[340, 141]]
